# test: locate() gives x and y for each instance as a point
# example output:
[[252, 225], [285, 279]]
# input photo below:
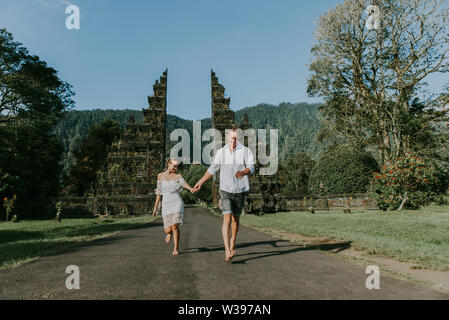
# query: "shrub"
[[343, 170], [407, 182], [9, 205]]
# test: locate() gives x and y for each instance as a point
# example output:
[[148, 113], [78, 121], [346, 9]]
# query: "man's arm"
[[206, 177], [249, 162], [210, 172]]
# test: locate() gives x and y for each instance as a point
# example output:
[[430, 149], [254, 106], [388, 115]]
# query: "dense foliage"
[[294, 174], [343, 170], [90, 155], [32, 101]]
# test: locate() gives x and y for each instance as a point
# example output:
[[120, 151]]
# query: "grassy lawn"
[[420, 236], [28, 240]]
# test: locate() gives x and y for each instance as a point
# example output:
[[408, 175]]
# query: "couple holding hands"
[[235, 163]]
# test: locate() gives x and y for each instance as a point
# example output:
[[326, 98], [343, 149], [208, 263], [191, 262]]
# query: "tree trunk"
[[404, 200]]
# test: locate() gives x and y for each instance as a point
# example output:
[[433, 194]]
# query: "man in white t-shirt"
[[235, 162]]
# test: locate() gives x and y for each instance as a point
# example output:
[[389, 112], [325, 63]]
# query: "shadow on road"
[[280, 244], [17, 246], [322, 247]]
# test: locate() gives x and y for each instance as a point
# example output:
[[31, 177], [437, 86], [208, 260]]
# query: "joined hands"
[[196, 188]]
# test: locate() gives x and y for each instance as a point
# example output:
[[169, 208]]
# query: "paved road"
[[137, 264]]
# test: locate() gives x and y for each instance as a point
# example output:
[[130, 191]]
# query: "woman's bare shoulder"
[[160, 175]]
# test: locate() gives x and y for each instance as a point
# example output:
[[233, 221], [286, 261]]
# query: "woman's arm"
[[186, 185], [156, 204], [158, 194]]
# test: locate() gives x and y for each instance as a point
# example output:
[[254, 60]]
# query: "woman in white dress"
[[169, 184]]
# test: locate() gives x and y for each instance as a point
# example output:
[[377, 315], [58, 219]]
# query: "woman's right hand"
[[154, 212]]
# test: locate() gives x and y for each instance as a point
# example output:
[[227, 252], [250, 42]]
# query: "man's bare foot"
[[175, 253], [168, 238]]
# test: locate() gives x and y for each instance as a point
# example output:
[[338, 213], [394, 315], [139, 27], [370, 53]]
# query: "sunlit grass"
[[420, 236], [28, 240]]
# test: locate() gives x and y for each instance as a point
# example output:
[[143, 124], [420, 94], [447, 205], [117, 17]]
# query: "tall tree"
[[373, 79], [90, 155], [32, 101]]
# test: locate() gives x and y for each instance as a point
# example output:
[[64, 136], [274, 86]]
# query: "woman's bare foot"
[[175, 252], [229, 256], [232, 253], [168, 238]]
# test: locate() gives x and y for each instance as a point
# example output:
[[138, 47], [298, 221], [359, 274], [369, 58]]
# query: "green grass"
[[419, 236], [25, 241]]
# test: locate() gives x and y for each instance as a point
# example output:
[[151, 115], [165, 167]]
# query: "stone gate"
[[125, 184]]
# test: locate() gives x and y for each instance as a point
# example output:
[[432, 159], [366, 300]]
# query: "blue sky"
[[258, 48]]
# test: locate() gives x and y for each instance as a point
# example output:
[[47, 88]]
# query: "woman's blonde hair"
[[180, 165]]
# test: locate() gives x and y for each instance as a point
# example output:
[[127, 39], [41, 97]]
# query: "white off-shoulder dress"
[[172, 204]]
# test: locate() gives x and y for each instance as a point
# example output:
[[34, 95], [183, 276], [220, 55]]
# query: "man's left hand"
[[241, 174]]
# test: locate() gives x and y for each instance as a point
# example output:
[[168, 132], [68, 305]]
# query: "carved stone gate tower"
[[222, 119]]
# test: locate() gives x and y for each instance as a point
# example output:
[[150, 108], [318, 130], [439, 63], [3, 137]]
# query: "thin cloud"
[[48, 4], [56, 4], [65, 2], [60, 5]]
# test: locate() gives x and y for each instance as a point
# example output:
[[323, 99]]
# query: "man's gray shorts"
[[232, 202]]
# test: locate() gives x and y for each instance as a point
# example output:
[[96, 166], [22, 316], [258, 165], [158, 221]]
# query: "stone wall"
[[329, 202], [254, 204]]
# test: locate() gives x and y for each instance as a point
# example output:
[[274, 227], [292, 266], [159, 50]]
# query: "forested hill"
[[297, 124]]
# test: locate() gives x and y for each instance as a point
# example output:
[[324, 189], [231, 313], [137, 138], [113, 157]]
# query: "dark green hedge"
[[294, 174], [343, 170]]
